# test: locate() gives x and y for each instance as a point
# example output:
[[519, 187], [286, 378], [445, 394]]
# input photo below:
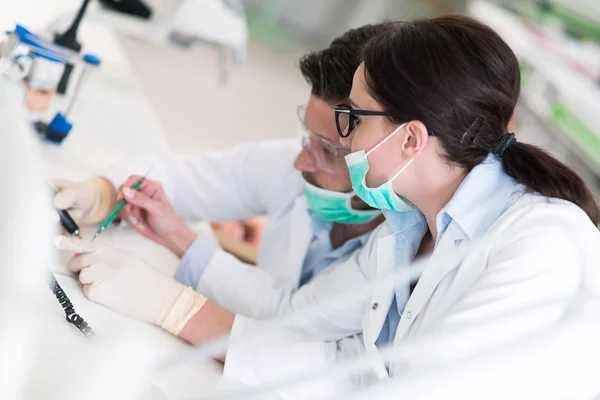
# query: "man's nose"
[[304, 162]]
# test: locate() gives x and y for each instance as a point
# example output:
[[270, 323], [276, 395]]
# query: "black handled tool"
[[68, 223], [68, 39]]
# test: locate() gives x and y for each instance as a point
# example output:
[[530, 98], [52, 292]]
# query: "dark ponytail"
[[541, 172], [460, 79]]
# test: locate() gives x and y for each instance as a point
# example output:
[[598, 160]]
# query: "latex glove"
[[150, 213], [91, 200], [123, 282]]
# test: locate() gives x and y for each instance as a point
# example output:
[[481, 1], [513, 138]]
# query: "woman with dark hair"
[[427, 126]]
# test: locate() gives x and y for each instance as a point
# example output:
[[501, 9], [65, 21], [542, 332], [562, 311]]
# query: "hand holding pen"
[[117, 209], [150, 213], [111, 217]]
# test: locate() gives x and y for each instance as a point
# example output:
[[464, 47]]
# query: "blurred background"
[[208, 93], [259, 100]]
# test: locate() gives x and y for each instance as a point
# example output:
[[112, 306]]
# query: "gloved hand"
[[123, 282], [91, 200], [150, 213]]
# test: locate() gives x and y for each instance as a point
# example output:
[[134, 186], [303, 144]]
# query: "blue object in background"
[[39, 46], [92, 59], [58, 129]]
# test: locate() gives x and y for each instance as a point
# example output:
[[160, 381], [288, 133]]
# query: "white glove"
[[123, 282], [92, 200]]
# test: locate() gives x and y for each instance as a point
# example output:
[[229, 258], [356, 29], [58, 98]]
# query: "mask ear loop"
[[384, 140], [401, 169]]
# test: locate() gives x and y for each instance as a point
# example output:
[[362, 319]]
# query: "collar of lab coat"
[[408, 228], [480, 199], [477, 203], [306, 225], [320, 226]]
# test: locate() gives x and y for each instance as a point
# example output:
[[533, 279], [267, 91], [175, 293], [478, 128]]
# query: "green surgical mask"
[[382, 197], [336, 206]]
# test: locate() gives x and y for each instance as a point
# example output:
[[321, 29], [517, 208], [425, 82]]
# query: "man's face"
[[322, 158]]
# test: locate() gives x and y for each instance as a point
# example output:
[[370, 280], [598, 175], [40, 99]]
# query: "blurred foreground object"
[[30, 367], [43, 356], [23, 211]]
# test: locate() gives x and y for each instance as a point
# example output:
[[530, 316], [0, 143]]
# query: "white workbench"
[[113, 122], [153, 345]]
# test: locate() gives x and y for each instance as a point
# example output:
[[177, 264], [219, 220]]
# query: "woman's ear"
[[415, 138]]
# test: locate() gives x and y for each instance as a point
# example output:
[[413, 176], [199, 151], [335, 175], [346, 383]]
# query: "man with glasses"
[[315, 222]]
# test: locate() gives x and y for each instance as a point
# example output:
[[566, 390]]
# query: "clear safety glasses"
[[327, 155]]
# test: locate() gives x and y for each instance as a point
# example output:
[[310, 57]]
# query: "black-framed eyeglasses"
[[346, 118]]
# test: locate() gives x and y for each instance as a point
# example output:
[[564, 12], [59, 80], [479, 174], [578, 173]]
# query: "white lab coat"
[[239, 183], [538, 250]]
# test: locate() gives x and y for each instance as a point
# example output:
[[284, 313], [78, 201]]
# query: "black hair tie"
[[505, 141]]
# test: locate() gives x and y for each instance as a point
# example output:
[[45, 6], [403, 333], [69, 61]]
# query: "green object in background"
[[525, 73], [539, 12], [573, 22], [265, 29], [264, 24], [586, 139]]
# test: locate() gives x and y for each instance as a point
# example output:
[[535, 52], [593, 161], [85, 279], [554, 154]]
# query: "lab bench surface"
[[142, 346]]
